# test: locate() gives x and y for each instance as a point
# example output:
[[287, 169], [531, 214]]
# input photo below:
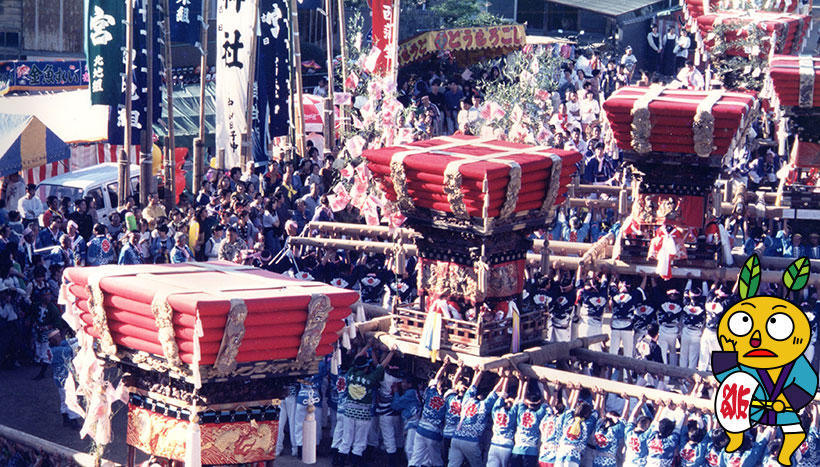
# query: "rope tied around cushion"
[[163, 318], [552, 188], [641, 123], [703, 125], [99, 317], [232, 336], [805, 95], [453, 181], [319, 309]]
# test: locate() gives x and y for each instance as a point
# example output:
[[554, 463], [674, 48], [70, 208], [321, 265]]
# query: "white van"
[[99, 182]]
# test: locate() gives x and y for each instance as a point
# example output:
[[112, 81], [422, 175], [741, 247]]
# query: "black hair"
[[652, 330], [99, 229], [665, 427], [583, 410]]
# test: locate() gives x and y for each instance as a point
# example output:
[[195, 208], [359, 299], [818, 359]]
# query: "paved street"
[[32, 406]]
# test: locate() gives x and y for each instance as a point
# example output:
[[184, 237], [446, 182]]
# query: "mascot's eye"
[[740, 323], [780, 326]]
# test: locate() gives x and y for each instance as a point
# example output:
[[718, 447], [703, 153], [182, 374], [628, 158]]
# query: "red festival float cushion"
[[665, 120], [278, 309], [790, 29], [692, 9], [796, 80], [473, 177]]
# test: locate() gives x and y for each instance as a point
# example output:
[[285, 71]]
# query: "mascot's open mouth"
[[760, 353]]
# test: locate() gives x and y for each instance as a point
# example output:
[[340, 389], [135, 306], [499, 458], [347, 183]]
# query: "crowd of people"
[[373, 406]]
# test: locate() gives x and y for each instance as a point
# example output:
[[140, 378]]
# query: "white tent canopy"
[[69, 114]]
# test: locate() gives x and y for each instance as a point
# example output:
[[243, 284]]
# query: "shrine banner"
[[139, 90], [235, 24], [105, 41], [272, 116], [186, 21], [383, 37]]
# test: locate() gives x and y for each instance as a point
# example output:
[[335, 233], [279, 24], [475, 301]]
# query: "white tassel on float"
[[309, 436]]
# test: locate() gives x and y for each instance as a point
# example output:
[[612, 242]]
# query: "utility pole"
[[247, 151], [123, 175], [199, 142], [170, 160], [298, 105], [330, 128], [147, 144], [343, 49]]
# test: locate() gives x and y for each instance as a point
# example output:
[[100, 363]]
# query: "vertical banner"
[[139, 90], [235, 21], [105, 42], [383, 24], [186, 21], [272, 116]]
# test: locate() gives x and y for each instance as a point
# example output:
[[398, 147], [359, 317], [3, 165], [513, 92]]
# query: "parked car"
[[99, 182]]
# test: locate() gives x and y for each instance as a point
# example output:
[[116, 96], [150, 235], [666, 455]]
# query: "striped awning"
[[26, 143]]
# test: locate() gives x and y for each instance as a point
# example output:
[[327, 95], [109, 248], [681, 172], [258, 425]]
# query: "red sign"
[[383, 37]]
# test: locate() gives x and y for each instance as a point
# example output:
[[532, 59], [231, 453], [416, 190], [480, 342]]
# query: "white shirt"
[[14, 192], [30, 208], [7, 312], [589, 110], [682, 46], [654, 40], [693, 80], [467, 116]]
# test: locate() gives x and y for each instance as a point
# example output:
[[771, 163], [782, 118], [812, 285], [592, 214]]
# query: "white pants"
[[625, 336], [498, 456], [338, 430], [287, 416], [426, 452], [708, 344], [409, 442], [464, 451], [387, 426], [64, 408], [299, 423], [561, 335], [690, 347], [590, 327], [668, 342], [354, 438]]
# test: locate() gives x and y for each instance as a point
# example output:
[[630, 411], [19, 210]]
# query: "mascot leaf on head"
[[765, 378]]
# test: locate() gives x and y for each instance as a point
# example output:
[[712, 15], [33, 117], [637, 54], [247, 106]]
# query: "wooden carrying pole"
[[147, 144], [296, 94], [170, 162], [124, 160], [199, 142], [534, 370], [329, 127]]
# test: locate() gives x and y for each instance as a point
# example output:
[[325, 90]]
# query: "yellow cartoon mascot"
[[765, 378]]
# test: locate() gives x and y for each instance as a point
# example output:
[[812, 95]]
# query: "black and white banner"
[[235, 27], [272, 77]]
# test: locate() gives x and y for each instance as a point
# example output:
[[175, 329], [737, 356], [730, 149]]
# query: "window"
[[96, 193], [112, 195]]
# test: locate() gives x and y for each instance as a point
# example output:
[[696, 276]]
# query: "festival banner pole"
[[343, 50], [246, 138], [394, 43], [298, 106], [329, 127], [124, 165], [146, 161], [170, 160], [199, 142]]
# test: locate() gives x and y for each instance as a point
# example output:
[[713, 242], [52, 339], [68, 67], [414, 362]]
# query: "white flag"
[[235, 26]]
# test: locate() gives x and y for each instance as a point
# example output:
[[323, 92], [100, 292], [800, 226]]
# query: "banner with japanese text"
[[494, 39], [235, 24], [186, 21], [139, 88], [45, 75], [383, 37], [105, 42], [272, 116]]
